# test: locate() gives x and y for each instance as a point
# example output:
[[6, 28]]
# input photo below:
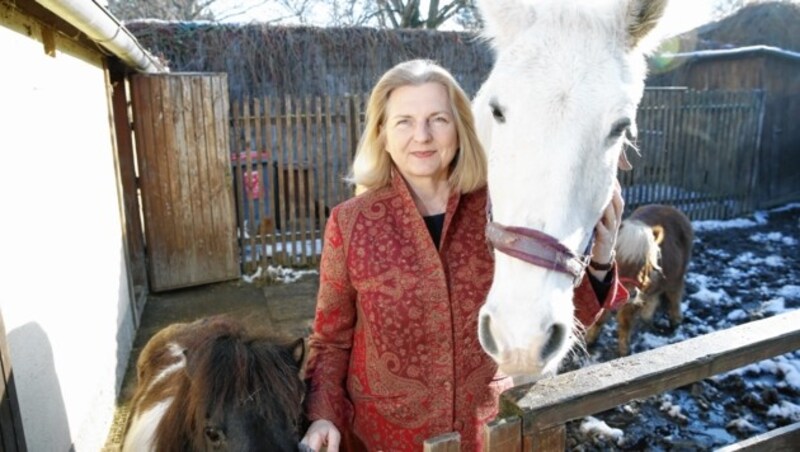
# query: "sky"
[[681, 15]]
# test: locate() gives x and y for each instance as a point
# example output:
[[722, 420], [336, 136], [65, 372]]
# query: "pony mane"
[[229, 366], [636, 245]]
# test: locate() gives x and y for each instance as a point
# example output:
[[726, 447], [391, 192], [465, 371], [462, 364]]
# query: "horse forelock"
[[226, 370], [248, 372]]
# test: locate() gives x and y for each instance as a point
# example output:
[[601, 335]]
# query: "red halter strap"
[[537, 248]]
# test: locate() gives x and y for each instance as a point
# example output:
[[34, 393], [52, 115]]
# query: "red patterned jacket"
[[395, 357]]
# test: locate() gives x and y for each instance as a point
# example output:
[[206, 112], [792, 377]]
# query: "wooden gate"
[[182, 146], [12, 438]]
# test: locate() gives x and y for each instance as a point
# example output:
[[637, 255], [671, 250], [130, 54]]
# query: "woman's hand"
[[322, 433], [606, 232]]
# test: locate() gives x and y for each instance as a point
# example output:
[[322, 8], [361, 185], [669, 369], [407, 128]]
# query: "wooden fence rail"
[[542, 409], [290, 156]]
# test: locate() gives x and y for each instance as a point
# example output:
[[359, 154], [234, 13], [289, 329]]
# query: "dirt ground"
[[286, 308]]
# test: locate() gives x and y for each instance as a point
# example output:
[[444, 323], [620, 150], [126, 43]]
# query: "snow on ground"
[[742, 270], [278, 273]]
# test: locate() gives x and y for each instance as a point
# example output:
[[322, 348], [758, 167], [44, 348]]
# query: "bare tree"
[[186, 10], [162, 9], [724, 8], [352, 12], [299, 9], [381, 13], [409, 14]]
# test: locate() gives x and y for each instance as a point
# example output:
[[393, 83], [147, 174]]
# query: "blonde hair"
[[372, 167]]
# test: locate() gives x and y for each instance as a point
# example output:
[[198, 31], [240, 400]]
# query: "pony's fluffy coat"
[[654, 247]]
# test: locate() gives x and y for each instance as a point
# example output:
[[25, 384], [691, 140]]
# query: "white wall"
[[64, 294]]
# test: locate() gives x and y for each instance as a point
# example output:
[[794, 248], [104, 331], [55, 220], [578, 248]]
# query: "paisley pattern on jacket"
[[394, 354]]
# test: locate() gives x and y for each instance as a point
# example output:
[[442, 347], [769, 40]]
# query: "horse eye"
[[619, 128], [497, 111], [214, 434]]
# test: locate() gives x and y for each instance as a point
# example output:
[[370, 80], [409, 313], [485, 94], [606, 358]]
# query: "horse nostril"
[[485, 334], [557, 333]]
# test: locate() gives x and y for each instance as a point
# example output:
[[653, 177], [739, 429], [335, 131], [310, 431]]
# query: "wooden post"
[[551, 439], [448, 442], [503, 435]]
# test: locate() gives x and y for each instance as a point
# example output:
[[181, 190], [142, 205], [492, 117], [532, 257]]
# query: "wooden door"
[[183, 155], [12, 438]]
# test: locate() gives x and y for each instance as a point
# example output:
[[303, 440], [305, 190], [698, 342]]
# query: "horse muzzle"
[[531, 355]]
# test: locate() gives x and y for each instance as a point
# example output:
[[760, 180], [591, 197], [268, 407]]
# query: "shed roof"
[[98, 24], [734, 53]]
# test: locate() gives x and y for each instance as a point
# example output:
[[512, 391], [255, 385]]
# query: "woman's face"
[[420, 132]]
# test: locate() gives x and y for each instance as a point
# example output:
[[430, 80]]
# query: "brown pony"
[[215, 385], [653, 251]]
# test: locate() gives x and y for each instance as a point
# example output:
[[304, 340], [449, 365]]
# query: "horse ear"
[[191, 362], [658, 233], [298, 349], [642, 17], [503, 20]]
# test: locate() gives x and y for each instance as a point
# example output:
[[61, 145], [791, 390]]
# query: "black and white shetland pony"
[[214, 385]]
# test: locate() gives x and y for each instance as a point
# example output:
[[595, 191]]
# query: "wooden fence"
[[698, 152], [290, 157], [533, 417]]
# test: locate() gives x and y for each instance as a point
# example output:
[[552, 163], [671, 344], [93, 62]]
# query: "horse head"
[[241, 391], [246, 393], [553, 116]]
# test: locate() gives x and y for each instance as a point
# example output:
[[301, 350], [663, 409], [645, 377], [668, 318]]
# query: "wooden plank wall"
[[183, 155], [778, 76], [698, 153]]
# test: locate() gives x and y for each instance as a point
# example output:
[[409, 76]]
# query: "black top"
[[435, 224], [601, 288]]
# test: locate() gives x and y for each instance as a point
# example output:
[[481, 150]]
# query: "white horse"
[[553, 116]]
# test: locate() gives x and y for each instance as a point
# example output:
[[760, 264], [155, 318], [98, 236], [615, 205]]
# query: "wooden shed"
[[70, 283], [773, 70], [77, 262]]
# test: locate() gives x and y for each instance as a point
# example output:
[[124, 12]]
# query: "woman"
[[395, 357]]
